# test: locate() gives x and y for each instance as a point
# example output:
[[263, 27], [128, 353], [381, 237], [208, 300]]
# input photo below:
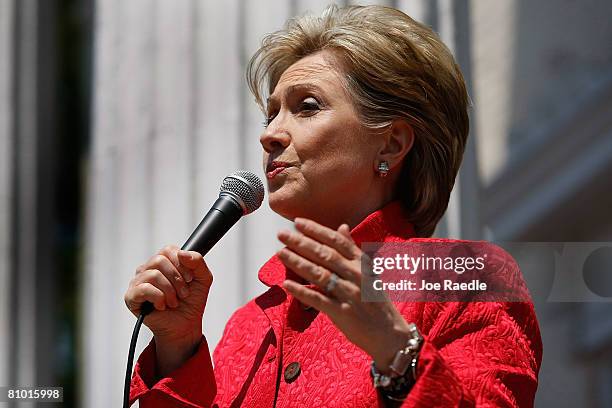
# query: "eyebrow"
[[293, 88]]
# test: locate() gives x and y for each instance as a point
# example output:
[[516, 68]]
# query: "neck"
[[385, 194], [349, 214], [361, 213]]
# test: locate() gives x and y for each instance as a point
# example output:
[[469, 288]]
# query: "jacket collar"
[[388, 224]]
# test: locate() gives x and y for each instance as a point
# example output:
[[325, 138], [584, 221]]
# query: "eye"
[[310, 105], [307, 107]]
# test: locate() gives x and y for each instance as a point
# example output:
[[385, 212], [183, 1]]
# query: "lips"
[[275, 167]]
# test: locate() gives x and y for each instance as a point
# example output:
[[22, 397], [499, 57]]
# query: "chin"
[[285, 205]]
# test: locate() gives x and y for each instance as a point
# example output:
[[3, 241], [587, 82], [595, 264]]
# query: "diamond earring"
[[383, 168]]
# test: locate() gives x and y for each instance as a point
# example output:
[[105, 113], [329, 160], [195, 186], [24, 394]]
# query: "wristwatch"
[[398, 383]]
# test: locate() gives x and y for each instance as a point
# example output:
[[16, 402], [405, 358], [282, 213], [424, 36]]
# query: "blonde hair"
[[394, 68]]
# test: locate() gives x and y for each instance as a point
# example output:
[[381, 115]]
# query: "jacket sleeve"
[[191, 385], [480, 354]]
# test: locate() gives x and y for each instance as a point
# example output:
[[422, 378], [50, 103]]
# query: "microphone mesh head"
[[246, 187]]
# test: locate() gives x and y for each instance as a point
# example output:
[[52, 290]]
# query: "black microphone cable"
[[145, 309], [241, 193]]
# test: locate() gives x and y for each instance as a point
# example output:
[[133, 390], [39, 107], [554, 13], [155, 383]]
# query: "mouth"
[[276, 167]]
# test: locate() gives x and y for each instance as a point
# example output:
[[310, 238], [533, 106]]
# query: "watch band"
[[404, 358], [398, 383]]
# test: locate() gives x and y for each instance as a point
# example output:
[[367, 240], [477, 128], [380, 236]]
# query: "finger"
[[195, 262], [345, 230], [344, 289], [364, 259], [146, 292], [163, 264], [316, 252], [160, 281], [306, 269], [171, 252], [366, 265], [343, 243], [312, 298]]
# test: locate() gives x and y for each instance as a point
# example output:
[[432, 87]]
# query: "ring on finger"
[[332, 282]]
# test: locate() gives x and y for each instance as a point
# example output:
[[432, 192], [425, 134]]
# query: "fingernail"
[[188, 277], [184, 292]]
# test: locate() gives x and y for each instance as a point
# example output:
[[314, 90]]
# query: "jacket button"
[[292, 371]]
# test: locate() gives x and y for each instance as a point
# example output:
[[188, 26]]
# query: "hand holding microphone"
[[176, 282], [173, 284]]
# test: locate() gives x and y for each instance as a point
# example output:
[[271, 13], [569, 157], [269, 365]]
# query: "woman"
[[366, 122]]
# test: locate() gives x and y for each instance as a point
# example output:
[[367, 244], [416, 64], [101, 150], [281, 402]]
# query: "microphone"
[[241, 193]]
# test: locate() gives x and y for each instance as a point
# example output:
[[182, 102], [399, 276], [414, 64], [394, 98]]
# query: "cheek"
[[337, 168], [344, 153], [335, 140]]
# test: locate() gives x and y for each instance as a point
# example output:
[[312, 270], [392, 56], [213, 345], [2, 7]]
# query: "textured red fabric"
[[484, 354]]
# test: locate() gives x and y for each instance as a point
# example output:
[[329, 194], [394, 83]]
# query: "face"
[[318, 158]]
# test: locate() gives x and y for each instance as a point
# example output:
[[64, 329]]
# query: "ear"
[[398, 142]]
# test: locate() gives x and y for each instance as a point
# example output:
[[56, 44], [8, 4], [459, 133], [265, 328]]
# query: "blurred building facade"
[[171, 116]]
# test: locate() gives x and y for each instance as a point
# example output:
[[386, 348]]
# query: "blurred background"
[[119, 119]]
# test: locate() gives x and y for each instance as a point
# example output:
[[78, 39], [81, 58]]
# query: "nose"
[[274, 138]]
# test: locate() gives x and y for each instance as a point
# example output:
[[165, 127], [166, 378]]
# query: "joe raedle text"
[[475, 285]]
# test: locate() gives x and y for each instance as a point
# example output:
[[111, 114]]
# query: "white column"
[[315, 7], [101, 361], [417, 9], [6, 182], [218, 85]]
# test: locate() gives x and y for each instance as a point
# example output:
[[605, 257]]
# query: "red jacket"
[[475, 353]]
